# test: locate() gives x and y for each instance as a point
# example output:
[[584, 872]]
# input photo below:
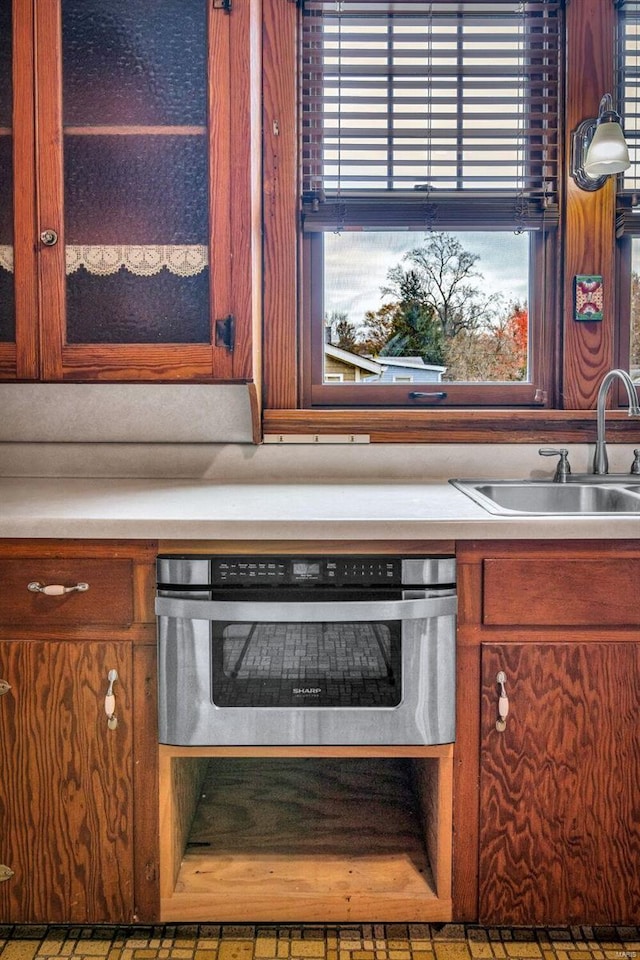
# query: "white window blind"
[[435, 113]]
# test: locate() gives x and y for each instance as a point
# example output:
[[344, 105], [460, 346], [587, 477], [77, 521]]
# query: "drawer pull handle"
[[503, 703], [110, 701], [55, 589]]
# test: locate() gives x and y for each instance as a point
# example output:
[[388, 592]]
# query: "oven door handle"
[[307, 612]]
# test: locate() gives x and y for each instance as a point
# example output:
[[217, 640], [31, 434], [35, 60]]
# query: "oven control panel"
[[305, 570], [196, 573]]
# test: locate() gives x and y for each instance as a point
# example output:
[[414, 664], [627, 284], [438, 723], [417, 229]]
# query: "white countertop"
[[205, 510]]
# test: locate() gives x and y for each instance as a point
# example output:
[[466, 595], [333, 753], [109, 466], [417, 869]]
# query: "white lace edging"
[[6, 258], [143, 261]]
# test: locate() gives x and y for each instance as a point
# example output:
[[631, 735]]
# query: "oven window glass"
[[307, 665]]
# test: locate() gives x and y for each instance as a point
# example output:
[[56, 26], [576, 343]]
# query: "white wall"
[[204, 432], [246, 463]]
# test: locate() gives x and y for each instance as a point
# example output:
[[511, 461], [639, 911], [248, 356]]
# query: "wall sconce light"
[[598, 148]]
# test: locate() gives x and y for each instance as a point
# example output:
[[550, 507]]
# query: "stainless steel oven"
[[294, 650]]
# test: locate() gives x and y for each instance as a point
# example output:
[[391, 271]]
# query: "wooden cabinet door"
[[66, 783], [140, 261], [18, 281], [559, 794]]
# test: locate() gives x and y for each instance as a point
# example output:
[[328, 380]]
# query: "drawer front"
[[557, 592], [108, 599]]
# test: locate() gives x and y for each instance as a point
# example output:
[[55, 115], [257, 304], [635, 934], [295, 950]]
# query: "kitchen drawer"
[[561, 592], [108, 600]]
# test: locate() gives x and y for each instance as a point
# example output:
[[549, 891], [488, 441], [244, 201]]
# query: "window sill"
[[454, 426]]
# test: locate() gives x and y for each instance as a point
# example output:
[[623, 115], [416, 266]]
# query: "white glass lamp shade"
[[607, 153]]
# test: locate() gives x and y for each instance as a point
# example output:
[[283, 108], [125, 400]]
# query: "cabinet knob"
[[4, 687], [49, 238], [5, 872], [55, 589]]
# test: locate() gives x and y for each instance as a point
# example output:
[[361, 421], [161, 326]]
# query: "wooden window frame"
[[627, 216], [534, 393], [585, 351]]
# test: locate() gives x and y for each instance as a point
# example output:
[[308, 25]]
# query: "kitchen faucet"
[[600, 459]]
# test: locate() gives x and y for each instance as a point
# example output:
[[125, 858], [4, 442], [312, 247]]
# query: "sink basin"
[[535, 497]]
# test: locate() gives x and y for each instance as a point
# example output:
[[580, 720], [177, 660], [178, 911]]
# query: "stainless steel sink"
[[542, 498]]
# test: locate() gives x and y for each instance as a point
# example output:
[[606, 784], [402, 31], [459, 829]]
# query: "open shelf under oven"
[[310, 834]]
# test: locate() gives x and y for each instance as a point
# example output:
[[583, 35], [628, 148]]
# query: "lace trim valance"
[[6, 258], [143, 261]]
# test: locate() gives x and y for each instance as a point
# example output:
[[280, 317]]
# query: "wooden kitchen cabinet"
[[139, 259], [305, 834], [546, 809], [108, 598], [66, 807], [559, 800], [78, 836]]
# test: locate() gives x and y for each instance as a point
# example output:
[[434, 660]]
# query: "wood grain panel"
[[306, 839], [146, 856], [144, 589], [559, 788], [133, 362], [280, 203], [449, 426], [139, 550], [8, 361], [244, 136], [475, 551], [433, 786], [109, 598], [50, 188], [465, 784], [181, 780], [365, 547], [65, 796], [25, 359], [579, 592], [220, 108], [589, 217]]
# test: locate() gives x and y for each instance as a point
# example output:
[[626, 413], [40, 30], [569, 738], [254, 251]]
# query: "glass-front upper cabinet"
[[136, 170]]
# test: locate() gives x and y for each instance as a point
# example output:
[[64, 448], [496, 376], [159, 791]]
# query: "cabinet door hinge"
[[225, 332], [222, 5]]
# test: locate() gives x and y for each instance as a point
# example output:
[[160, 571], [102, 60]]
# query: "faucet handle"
[[564, 468], [635, 466]]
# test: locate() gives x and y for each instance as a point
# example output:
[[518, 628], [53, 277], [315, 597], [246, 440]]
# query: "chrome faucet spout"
[[600, 458]]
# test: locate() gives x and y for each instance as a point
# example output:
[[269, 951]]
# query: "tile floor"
[[394, 941]]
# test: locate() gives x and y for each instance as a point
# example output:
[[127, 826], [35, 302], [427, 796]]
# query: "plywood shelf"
[[315, 839]]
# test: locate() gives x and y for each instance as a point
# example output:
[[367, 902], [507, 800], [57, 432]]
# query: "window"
[[429, 198]]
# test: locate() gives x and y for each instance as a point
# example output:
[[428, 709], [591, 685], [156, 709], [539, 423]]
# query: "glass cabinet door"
[[134, 101], [134, 256]]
